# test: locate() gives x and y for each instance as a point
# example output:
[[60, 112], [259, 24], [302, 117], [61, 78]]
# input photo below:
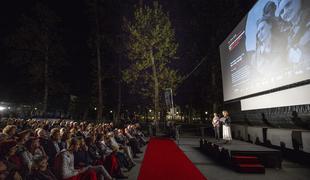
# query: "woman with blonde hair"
[[226, 127]]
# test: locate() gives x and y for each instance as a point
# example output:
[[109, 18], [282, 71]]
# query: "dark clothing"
[[217, 132], [41, 175], [94, 152], [51, 150], [227, 121], [81, 159]]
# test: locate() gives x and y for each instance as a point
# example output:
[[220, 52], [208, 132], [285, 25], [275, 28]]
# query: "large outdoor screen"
[[269, 48]]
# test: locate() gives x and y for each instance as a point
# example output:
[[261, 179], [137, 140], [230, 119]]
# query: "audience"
[[68, 150]]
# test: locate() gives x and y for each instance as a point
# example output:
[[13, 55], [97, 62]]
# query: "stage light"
[[35, 109], [150, 110], [206, 112], [2, 108], [9, 108], [111, 111], [95, 108]]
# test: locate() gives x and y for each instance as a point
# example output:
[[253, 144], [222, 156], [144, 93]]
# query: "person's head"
[[65, 135], [23, 136], [32, 143], [289, 9], [215, 114], [72, 131], [55, 134], [264, 30], [120, 132], [40, 163], [225, 113], [100, 137], [73, 144], [62, 131], [269, 9], [3, 170], [8, 148], [9, 130], [3, 137], [42, 133]]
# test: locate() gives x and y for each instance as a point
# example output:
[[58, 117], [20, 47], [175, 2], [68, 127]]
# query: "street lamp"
[[2, 108]]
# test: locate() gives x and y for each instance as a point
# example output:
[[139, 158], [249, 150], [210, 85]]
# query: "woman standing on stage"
[[226, 127]]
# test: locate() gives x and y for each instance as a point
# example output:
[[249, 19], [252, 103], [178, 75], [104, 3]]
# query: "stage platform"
[[270, 158]]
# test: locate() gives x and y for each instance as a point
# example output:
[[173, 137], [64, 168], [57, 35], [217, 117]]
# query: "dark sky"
[[200, 25]]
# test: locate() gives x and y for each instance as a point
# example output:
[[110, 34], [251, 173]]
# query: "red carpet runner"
[[163, 160]]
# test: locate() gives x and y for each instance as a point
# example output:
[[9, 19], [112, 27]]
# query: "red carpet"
[[164, 160]]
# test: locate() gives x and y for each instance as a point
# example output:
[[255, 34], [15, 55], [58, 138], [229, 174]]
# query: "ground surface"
[[215, 171]]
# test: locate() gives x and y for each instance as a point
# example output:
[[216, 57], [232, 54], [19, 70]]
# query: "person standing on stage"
[[226, 127], [216, 126]]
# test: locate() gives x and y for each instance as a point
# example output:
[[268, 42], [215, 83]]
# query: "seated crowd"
[[50, 150]]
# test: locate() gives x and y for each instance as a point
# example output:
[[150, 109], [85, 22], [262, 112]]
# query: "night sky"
[[200, 26]]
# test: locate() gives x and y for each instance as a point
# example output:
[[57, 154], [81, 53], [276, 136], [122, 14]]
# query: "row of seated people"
[[49, 150]]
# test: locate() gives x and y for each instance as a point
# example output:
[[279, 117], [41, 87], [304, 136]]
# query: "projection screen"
[[269, 48]]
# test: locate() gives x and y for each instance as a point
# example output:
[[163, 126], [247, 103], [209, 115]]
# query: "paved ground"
[[134, 172], [214, 171]]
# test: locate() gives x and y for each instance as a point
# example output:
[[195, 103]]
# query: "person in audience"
[[121, 153], [65, 136], [8, 152], [9, 131], [3, 170], [82, 159], [33, 148], [64, 164], [3, 137], [53, 145], [82, 156], [133, 143], [124, 143], [39, 169], [110, 162]]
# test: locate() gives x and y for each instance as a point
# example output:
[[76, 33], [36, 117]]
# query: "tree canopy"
[[151, 48]]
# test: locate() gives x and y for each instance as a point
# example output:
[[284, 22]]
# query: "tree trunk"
[[215, 88], [45, 98], [119, 94], [99, 78], [156, 87]]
